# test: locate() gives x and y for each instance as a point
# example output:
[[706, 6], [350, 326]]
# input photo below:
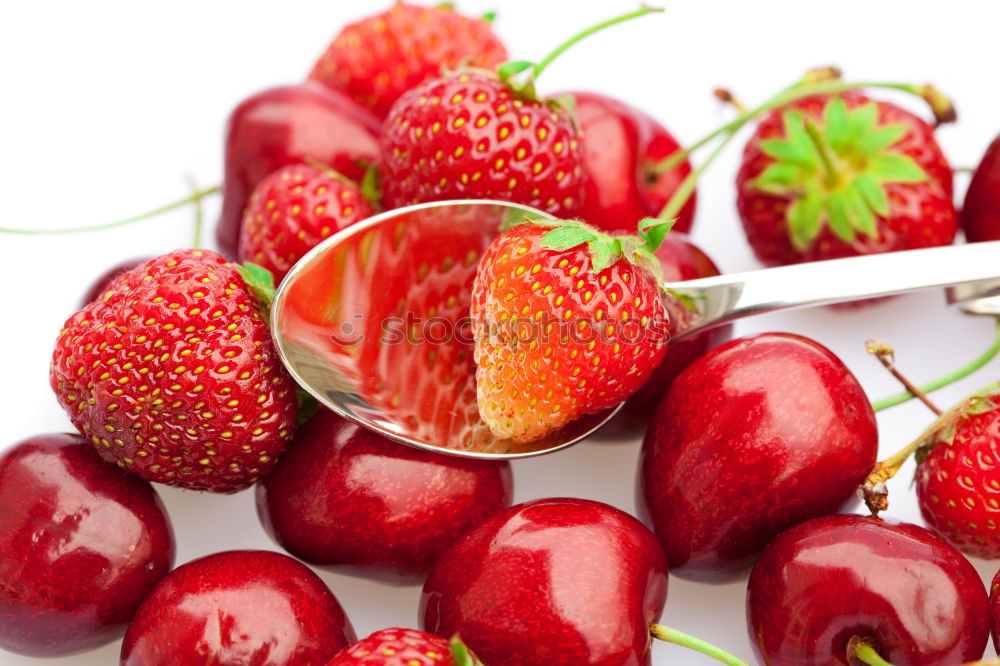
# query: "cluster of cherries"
[[753, 445]]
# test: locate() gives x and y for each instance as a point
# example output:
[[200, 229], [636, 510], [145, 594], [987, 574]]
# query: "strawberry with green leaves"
[[840, 175], [172, 374], [377, 59], [406, 647], [567, 320], [295, 208]]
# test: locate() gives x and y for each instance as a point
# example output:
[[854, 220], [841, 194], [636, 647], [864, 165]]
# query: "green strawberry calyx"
[[605, 249], [835, 171]]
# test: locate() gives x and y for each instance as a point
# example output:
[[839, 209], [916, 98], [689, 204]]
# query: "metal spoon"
[[374, 321]]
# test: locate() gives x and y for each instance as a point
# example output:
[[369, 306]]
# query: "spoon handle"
[[727, 297]]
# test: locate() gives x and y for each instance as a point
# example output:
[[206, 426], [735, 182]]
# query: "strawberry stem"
[[951, 377], [192, 198], [887, 357], [671, 635]]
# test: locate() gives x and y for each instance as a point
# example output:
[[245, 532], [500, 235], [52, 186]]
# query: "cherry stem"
[[951, 377], [192, 198], [687, 186], [887, 357], [547, 60], [866, 654], [727, 97], [671, 635], [199, 218]]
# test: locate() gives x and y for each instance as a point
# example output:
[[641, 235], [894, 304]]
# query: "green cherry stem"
[[199, 214], [945, 380], [671, 635], [686, 188], [866, 654], [547, 60], [192, 198]]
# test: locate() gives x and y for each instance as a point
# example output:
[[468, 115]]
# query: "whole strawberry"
[[378, 58], [834, 176], [292, 210], [568, 321], [172, 375], [470, 135], [958, 479], [405, 647]]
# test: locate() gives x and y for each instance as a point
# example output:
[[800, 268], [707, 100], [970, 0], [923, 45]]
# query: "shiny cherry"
[[621, 148], [347, 497], [554, 582], [81, 544], [759, 434], [235, 608], [288, 125], [980, 216], [898, 587], [995, 611]]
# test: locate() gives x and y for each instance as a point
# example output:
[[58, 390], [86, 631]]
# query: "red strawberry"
[[378, 58], [172, 375], [568, 321], [981, 211], [402, 647], [469, 135], [958, 480], [292, 210], [834, 176]]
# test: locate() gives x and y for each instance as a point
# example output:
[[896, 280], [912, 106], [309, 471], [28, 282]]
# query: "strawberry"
[[834, 176], [292, 210], [405, 647], [172, 375], [470, 135], [378, 58], [568, 321], [958, 478]]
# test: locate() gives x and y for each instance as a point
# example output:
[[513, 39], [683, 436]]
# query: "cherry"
[[238, 607], [554, 581], [81, 544], [623, 146], [995, 611], [980, 216], [896, 587], [759, 434], [288, 125], [681, 260], [345, 496]]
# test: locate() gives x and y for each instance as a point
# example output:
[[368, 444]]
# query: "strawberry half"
[[834, 176], [568, 321], [378, 58], [958, 478], [292, 210], [173, 376], [469, 135], [405, 647]]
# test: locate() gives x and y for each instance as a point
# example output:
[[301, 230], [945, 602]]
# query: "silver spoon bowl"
[[374, 321]]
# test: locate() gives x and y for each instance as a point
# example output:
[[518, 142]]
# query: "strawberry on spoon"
[[405, 647]]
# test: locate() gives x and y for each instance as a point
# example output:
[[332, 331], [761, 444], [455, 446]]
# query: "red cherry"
[[345, 496], [681, 260], [980, 216], [288, 125], [995, 611], [81, 544], [899, 587], [235, 608], [621, 149], [756, 436], [561, 582]]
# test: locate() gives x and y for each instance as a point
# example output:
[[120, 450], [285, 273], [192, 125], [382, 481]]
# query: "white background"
[[108, 105]]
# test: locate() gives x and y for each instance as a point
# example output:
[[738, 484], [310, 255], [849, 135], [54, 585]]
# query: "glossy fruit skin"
[[104, 280], [824, 581], [238, 607], [980, 216], [680, 259], [286, 125], [292, 210], [172, 375], [608, 332], [466, 136], [397, 647], [380, 57], [621, 145], [551, 582], [759, 434], [81, 545], [346, 497], [920, 214], [958, 483], [995, 611]]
